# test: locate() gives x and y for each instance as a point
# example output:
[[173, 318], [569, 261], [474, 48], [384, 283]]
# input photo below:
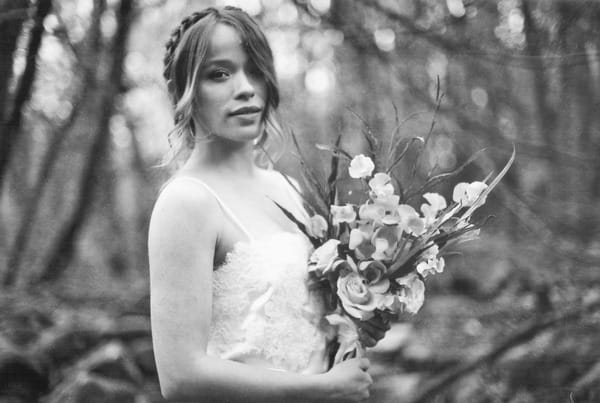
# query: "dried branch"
[[520, 337]]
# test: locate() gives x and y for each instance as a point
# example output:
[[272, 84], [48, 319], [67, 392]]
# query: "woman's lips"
[[246, 111]]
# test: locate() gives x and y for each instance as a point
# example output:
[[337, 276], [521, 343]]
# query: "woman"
[[232, 319]]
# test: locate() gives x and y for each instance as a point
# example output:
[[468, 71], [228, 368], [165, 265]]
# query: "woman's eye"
[[218, 75]]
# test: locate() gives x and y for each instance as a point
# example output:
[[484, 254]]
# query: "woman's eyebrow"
[[219, 62]]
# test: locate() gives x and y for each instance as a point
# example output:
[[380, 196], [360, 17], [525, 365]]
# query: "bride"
[[232, 318]]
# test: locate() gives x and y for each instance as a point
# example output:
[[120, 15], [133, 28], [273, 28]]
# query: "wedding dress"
[[262, 311]]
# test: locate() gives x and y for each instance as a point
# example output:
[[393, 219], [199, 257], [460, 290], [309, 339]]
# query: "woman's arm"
[[183, 234]]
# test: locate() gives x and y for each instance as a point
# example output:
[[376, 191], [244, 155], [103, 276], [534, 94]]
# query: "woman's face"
[[231, 98]]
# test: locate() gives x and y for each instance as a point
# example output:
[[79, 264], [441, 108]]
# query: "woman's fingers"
[[364, 363]]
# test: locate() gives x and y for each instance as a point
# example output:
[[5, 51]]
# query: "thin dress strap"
[[224, 207]]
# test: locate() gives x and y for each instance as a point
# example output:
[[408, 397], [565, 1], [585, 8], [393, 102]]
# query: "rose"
[[322, 259], [373, 272], [358, 298], [361, 167], [467, 193], [343, 214]]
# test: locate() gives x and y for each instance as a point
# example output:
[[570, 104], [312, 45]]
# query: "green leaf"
[[479, 201], [315, 241], [434, 180]]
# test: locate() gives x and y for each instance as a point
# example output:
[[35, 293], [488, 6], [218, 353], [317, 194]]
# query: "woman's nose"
[[244, 86]]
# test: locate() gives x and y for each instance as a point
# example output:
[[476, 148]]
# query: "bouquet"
[[373, 257]]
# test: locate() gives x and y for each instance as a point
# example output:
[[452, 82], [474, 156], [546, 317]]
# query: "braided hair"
[[176, 35], [186, 50]]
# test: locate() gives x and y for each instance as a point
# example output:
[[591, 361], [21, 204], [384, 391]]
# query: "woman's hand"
[[372, 330], [349, 381]]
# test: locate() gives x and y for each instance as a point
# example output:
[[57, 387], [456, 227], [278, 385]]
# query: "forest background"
[[85, 117]]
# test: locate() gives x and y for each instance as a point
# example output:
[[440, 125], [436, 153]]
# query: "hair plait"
[[178, 32]]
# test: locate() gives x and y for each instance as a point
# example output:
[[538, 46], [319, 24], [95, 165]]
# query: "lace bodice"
[[263, 313]]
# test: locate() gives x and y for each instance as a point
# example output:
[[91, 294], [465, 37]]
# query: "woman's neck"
[[222, 157]]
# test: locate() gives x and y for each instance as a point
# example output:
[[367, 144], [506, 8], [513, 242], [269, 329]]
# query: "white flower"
[[385, 240], [381, 185], [389, 202], [466, 193], [409, 220], [343, 214], [431, 252], [318, 226], [360, 240], [430, 263], [435, 204], [323, 257], [412, 294], [361, 167], [431, 266], [373, 212]]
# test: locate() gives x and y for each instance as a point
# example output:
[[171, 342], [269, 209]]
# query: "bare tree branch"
[[520, 337]]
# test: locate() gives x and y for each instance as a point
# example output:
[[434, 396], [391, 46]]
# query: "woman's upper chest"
[[252, 209]]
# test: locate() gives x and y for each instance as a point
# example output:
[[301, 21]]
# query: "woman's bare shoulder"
[[183, 201]]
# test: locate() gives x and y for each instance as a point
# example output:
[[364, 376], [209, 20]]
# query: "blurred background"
[[85, 117]]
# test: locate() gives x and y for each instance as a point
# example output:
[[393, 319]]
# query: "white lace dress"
[[263, 313]]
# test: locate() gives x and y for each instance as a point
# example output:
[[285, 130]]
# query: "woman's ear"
[[170, 86]]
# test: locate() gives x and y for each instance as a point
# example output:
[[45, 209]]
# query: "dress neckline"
[[249, 242]]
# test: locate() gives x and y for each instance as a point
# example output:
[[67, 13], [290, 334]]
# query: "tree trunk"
[[63, 250], [90, 61], [10, 126], [12, 15]]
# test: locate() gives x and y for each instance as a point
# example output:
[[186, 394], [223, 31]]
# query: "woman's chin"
[[242, 136]]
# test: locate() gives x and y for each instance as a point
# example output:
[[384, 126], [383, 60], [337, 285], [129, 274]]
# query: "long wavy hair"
[[186, 52]]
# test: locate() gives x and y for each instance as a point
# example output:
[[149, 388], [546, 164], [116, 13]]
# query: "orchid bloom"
[[361, 166], [343, 214], [381, 185], [318, 226], [409, 220], [385, 240], [467, 193], [412, 293], [435, 204], [372, 212]]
